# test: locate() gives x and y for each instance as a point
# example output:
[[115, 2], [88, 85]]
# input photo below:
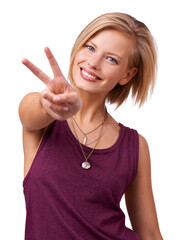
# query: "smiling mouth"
[[88, 76]]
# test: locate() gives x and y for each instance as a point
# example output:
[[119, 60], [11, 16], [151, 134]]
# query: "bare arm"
[[32, 114], [37, 110], [140, 201]]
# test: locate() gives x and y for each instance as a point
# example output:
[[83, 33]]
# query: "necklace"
[[85, 134], [104, 128], [86, 165]]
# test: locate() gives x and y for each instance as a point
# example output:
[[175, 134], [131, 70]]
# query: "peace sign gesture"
[[58, 99]]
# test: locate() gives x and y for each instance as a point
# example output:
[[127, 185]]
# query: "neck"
[[93, 109]]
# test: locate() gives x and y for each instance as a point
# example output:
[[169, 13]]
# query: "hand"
[[58, 99]]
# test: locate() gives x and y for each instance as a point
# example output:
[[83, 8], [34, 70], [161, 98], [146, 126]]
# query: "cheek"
[[119, 73], [113, 76], [80, 56], [75, 63], [74, 71]]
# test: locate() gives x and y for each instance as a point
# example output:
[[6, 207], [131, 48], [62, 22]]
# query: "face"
[[102, 62]]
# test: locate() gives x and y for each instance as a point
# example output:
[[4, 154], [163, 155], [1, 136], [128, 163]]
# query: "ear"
[[128, 76]]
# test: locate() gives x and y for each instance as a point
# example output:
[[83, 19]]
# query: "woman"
[[78, 160]]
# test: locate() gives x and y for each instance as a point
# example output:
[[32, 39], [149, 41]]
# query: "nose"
[[94, 62]]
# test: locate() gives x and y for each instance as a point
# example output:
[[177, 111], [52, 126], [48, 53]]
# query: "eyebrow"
[[110, 53]]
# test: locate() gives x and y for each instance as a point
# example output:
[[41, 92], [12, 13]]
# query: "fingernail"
[[65, 108], [24, 60]]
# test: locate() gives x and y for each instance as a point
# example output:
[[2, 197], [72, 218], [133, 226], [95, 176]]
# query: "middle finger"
[[54, 65]]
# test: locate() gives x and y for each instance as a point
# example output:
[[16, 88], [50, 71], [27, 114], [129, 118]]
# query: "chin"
[[87, 88]]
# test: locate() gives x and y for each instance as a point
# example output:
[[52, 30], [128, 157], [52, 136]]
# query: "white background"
[[26, 27]]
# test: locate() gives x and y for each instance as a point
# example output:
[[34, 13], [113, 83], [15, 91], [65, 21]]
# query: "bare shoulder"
[[143, 142], [144, 155]]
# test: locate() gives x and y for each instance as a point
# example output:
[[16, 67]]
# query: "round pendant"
[[86, 165]]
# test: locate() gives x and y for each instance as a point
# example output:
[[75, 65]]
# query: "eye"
[[111, 59], [90, 48]]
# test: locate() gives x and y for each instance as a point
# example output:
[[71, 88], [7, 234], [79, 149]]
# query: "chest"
[[102, 137]]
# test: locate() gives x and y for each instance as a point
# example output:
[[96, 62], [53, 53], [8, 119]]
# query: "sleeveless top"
[[65, 201]]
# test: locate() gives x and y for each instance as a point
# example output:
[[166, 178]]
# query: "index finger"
[[40, 74], [54, 65]]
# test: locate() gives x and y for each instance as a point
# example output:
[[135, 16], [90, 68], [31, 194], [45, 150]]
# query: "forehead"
[[113, 40]]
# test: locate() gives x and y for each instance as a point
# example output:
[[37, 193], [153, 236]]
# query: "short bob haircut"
[[144, 56]]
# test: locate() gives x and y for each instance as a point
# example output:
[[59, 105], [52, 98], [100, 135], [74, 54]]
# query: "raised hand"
[[59, 99]]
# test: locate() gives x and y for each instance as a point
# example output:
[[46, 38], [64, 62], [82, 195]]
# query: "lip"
[[95, 77]]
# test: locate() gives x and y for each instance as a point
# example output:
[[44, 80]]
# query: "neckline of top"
[[96, 151]]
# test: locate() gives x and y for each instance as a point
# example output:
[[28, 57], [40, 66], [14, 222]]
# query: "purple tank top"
[[65, 201]]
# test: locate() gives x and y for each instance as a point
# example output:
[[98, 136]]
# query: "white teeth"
[[87, 74]]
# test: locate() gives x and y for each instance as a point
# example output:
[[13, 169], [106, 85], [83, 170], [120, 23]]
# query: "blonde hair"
[[144, 56]]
